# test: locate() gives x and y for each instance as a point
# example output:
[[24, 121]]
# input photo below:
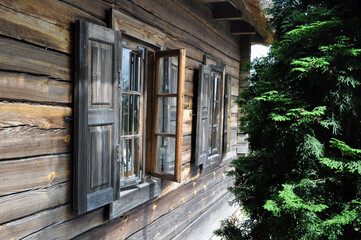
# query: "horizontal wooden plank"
[[141, 217], [97, 8], [42, 22], [41, 116], [180, 38], [234, 105], [205, 15], [186, 157], [25, 87], [187, 140], [72, 228], [210, 220], [135, 196], [28, 225], [137, 29], [187, 121], [21, 57], [188, 213], [196, 51], [31, 173], [175, 15], [25, 203], [25, 141]]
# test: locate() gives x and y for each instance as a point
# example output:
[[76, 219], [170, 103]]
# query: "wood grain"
[[31, 173], [172, 208], [25, 141], [25, 87], [22, 57], [40, 116], [33, 223], [205, 224], [71, 228], [42, 22], [25, 203]]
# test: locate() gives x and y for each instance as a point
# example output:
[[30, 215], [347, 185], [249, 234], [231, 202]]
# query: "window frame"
[[180, 53], [149, 187], [217, 66], [128, 43]]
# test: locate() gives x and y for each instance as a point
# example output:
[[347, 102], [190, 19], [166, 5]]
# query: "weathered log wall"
[[36, 79]]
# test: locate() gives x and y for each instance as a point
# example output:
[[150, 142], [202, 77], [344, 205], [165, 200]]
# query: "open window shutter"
[[201, 150], [96, 112], [227, 115]]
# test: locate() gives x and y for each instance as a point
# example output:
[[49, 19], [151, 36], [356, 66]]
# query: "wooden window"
[[210, 111], [227, 115], [131, 118], [96, 107], [165, 144]]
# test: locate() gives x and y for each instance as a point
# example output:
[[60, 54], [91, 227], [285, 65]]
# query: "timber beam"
[[226, 11], [242, 28]]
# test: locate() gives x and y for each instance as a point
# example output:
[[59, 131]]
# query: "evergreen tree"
[[302, 113]]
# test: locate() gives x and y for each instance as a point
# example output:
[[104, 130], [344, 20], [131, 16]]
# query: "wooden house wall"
[[36, 79]]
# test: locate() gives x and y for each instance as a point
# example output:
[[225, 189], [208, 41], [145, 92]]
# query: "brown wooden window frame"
[[178, 135]]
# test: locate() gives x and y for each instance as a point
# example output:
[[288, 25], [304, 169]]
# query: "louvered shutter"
[[203, 108], [96, 113]]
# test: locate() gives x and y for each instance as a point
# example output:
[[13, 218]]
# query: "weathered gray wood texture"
[[96, 111], [203, 108], [36, 110]]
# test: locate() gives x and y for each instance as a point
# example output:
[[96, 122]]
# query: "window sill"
[[134, 197]]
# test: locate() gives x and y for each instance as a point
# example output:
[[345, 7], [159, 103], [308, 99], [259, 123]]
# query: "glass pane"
[[126, 69], [165, 154], [167, 114], [131, 70], [130, 114], [125, 114], [168, 74], [129, 163]]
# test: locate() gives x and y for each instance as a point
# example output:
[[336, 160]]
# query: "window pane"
[[130, 114], [125, 114], [166, 154], [215, 113], [131, 70], [130, 158], [168, 75], [126, 69], [167, 114]]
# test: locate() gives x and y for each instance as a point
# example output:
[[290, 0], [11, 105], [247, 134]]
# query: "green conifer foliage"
[[302, 113]]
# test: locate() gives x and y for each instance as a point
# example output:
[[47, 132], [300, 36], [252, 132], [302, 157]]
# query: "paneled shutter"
[[96, 113], [203, 108]]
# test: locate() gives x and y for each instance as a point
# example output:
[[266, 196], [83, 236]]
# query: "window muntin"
[[131, 136], [168, 116]]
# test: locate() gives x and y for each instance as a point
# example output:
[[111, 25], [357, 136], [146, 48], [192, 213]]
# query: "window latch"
[[118, 153]]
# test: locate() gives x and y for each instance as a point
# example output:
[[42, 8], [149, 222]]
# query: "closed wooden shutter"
[[203, 108], [96, 112]]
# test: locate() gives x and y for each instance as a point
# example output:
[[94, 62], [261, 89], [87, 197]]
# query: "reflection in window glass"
[[165, 155], [214, 113], [130, 118], [168, 75], [131, 70], [167, 115]]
